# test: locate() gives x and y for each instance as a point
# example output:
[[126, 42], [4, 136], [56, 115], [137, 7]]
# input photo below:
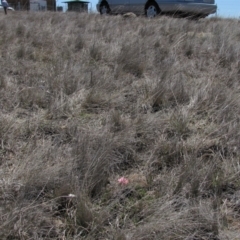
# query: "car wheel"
[[152, 10], [104, 8]]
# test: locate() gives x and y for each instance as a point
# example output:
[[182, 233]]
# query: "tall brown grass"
[[86, 99]]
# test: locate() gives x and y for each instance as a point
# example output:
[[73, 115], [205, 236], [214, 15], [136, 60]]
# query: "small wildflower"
[[123, 181]]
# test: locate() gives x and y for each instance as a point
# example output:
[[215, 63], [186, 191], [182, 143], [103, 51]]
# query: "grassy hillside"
[[87, 99]]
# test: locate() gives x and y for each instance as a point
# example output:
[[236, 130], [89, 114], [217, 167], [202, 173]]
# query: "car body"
[[151, 8], [9, 8]]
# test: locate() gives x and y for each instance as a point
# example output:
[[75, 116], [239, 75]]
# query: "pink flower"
[[123, 181]]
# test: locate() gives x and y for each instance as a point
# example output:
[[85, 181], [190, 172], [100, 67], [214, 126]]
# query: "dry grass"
[[86, 99]]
